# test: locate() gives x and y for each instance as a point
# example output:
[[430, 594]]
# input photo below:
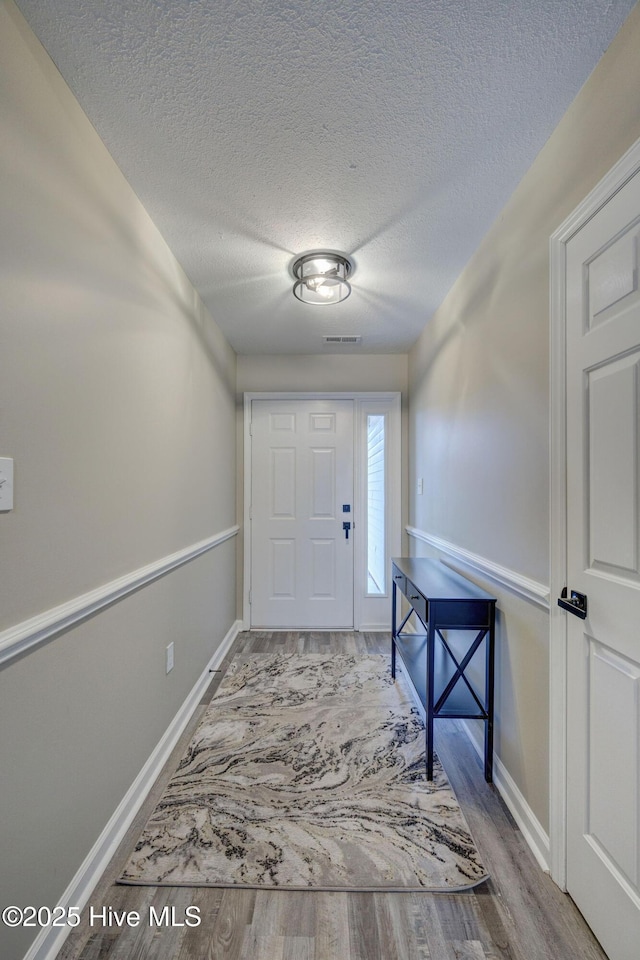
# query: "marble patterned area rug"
[[307, 772]]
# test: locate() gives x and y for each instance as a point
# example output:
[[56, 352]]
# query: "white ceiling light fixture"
[[321, 277]]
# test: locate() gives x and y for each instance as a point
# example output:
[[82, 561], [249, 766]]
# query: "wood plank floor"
[[518, 914]]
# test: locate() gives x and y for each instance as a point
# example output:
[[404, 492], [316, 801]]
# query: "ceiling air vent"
[[342, 339]]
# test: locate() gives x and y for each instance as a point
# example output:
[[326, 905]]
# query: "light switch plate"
[[6, 483], [420, 486]]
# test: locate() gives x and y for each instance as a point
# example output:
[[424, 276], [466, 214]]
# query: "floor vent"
[[342, 339]]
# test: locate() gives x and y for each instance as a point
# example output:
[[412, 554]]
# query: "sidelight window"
[[376, 505]]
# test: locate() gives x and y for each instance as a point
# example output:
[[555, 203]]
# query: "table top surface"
[[436, 581]]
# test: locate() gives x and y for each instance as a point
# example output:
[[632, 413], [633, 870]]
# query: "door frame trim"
[[395, 488], [611, 183]]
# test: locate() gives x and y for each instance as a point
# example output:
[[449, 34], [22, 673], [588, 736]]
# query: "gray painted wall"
[[117, 402], [479, 398]]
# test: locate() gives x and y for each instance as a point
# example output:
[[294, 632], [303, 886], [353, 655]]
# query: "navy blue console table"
[[438, 668]]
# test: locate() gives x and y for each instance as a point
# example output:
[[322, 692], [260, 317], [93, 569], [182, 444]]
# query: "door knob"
[[346, 526]]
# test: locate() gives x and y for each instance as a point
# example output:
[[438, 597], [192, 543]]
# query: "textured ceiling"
[[256, 130]]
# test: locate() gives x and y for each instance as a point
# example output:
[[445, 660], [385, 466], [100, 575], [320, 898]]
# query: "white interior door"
[[603, 562], [301, 482]]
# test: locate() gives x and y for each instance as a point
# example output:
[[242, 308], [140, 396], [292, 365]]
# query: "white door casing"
[[600, 799], [301, 483], [370, 612]]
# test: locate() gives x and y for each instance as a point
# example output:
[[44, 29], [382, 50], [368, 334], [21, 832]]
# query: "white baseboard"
[[528, 823], [49, 941]]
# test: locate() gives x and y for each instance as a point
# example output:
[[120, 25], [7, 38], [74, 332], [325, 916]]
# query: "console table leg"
[[488, 750], [393, 629], [489, 674], [431, 636]]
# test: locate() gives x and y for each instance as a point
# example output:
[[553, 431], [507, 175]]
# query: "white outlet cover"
[[6, 483], [170, 657]]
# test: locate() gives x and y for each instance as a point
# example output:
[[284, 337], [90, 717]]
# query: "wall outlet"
[[170, 657], [6, 483]]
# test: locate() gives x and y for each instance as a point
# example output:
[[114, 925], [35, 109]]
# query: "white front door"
[[301, 495], [603, 562]]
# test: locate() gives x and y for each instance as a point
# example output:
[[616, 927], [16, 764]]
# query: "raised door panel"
[[613, 489], [611, 276], [282, 483], [322, 501], [282, 569], [614, 758]]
